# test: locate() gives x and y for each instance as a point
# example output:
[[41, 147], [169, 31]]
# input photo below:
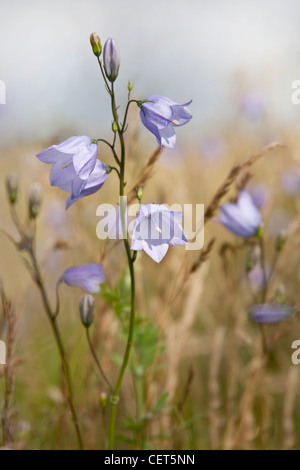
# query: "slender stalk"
[[264, 271], [97, 361], [115, 396], [53, 322], [111, 146]]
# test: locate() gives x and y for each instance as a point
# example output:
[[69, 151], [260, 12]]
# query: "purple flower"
[[155, 228], [256, 277], [241, 218], [87, 276], [111, 59], [290, 182], [75, 168], [161, 116], [81, 188], [270, 313], [253, 105], [260, 194]]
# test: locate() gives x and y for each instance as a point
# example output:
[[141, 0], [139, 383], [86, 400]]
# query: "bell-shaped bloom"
[[270, 313], [87, 276], [242, 217], [75, 168], [161, 116], [80, 188], [155, 228], [111, 59]]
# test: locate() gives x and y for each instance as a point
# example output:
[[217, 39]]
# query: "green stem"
[[65, 366], [115, 396], [97, 361]]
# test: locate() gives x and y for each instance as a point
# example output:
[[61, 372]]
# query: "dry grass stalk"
[[289, 438], [233, 175], [8, 429], [144, 175], [213, 387]]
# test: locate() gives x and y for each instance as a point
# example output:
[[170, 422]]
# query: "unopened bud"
[[96, 44], [12, 186], [35, 199], [103, 400], [86, 309], [139, 193], [114, 127], [111, 59], [130, 85], [280, 293], [281, 239], [254, 258]]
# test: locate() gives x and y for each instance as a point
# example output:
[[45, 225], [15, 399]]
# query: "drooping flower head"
[[75, 168], [270, 313], [242, 217], [161, 116], [87, 276], [155, 228]]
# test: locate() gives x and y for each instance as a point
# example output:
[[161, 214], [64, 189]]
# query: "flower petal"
[[87, 276], [84, 160], [167, 136], [156, 251]]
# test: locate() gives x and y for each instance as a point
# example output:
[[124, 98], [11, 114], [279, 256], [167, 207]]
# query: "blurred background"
[[212, 52], [237, 61]]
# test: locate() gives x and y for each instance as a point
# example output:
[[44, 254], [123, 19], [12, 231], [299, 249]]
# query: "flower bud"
[[86, 308], [103, 400], [114, 127], [281, 239], [139, 193], [12, 187], [96, 44], [111, 59], [130, 86], [280, 293], [35, 200], [254, 258]]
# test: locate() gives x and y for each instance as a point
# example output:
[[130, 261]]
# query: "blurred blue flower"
[[290, 182], [256, 276], [242, 217], [252, 105], [155, 228], [75, 168], [87, 276], [269, 313], [213, 148], [161, 116], [260, 194]]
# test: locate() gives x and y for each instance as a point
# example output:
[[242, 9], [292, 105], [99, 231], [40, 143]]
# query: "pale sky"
[[193, 49]]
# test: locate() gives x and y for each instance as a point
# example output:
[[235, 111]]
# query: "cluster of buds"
[[111, 55], [35, 194]]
